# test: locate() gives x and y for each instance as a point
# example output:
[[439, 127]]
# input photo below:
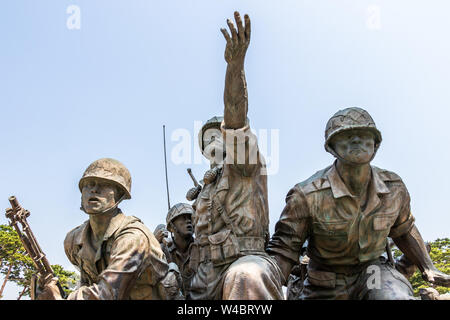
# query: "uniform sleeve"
[[69, 248], [291, 230], [128, 257], [242, 152], [405, 220]]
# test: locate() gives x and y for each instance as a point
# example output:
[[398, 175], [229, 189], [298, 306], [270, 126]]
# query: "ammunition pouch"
[[222, 248]]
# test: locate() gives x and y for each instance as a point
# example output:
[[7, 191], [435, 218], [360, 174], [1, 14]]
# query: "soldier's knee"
[[390, 294], [393, 288], [252, 277], [246, 269]]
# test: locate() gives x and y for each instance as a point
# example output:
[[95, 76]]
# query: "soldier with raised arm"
[[231, 219], [346, 212], [118, 257]]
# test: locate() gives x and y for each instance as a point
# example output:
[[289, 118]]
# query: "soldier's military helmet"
[[109, 170], [348, 119], [176, 211], [159, 227], [214, 122]]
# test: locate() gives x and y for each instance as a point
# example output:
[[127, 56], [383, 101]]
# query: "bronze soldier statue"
[[346, 212], [179, 223], [118, 257], [231, 212]]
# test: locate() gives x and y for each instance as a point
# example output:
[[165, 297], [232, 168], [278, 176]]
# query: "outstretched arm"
[[414, 248], [291, 232], [407, 238], [235, 95]]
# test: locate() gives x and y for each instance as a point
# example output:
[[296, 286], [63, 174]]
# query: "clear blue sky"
[[69, 97]]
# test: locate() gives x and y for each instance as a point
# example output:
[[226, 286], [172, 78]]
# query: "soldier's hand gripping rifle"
[[18, 220], [193, 193]]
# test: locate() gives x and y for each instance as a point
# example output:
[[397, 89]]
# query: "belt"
[[251, 243], [247, 245], [346, 270]]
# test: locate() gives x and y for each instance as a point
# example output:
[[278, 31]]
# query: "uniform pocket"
[[331, 236], [224, 247], [331, 228]]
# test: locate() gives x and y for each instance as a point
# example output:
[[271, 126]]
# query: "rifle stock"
[[18, 220]]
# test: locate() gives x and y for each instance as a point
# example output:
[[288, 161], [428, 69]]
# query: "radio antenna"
[[165, 165]]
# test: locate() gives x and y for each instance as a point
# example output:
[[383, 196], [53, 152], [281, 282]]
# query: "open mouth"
[[93, 199]]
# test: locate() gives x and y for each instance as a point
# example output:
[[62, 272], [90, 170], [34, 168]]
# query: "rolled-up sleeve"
[[242, 152], [128, 257], [292, 229]]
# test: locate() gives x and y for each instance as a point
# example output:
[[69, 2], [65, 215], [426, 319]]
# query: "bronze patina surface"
[[231, 211], [179, 223], [346, 212], [118, 257]]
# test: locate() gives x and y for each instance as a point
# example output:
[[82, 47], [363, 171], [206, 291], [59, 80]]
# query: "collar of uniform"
[[114, 224], [338, 186], [340, 190], [379, 185], [82, 234]]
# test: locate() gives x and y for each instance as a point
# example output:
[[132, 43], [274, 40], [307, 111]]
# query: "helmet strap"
[[109, 209]]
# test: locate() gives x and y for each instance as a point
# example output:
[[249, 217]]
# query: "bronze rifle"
[[192, 196], [18, 220]]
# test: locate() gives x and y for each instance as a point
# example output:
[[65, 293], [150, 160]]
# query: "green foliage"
[[11, 250], [67, 279], [440, 255], [20, 267], [15, 265]]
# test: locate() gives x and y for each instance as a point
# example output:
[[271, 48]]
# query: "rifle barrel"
[[165, 166], [192, 177], [29, 242], [14, 203]]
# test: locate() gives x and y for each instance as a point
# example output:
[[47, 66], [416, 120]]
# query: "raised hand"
[[239, 40]]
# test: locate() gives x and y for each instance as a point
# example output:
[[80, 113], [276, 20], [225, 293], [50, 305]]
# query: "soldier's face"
[[213, 144], [356, 146], [98, 196], [183, 225]]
